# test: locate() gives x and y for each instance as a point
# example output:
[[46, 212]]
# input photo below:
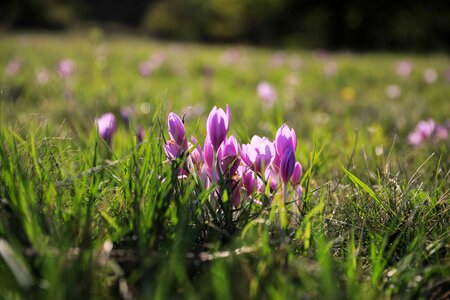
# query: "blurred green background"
[[360, 25]]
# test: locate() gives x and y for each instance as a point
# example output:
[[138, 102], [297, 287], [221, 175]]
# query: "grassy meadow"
[[80, 218]]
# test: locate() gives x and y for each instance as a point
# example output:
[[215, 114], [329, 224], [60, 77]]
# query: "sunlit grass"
[[81, 218]]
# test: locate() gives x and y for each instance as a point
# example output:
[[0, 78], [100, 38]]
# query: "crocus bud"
[[285, 139], [140, 134], [287, 166], [126, 113], [217, 126], [106, 126], [177, 131], [297, 174], [208, 153]]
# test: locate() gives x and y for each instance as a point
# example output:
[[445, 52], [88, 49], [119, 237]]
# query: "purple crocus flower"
[[66, 68], [259, 154], [196, 153], [235, 193], [287, 166], [106, 126], [252, 183], [177, 131], [217, 126], [272, 178], [228, 155], [285, 139], [208, 153], [172, 149]]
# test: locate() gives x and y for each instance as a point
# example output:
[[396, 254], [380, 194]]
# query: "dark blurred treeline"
[[363, 25]]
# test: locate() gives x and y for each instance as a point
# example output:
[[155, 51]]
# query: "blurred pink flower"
[[278, 59], [330, 69], [393, 91], [296, 63], [231, 56], [320, 53], [430, 76], [266, 93], [140, 134], [447, 75], [42, 77], [422, 132], [441, 132], [145, 69], [158, 59], [66, 67], [125, 113], [404, 68], [13, 67]]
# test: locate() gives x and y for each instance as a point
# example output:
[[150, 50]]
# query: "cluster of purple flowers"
[[260, 167], [428, 131]]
